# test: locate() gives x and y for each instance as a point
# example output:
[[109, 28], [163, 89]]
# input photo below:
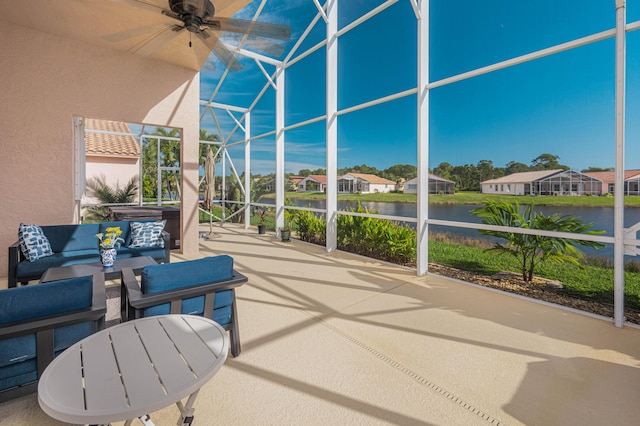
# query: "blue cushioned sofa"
[[73, 244], [37, 322], [204, 287]]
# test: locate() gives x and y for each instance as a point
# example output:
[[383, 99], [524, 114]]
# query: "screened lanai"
[[459, 88], [567, 182], [376, 82], [466, 91]]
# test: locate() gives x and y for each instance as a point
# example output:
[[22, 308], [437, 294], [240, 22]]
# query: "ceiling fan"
[[198, 18]]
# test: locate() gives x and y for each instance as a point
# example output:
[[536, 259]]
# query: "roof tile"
[[105, 143]]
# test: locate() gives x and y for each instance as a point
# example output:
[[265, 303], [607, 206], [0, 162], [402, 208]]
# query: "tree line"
[[396, 173], [469, 176]]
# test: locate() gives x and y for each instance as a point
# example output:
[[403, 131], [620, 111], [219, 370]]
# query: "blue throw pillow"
[[147, 234], [33, 243]]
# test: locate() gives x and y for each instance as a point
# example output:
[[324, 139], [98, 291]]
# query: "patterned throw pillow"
[[33, 243], [147, 234]]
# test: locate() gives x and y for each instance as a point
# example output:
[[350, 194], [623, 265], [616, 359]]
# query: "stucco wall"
[[117, 170], [46, 80], [507, 189]]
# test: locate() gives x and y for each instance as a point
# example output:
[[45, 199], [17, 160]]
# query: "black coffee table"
[[83, 269]]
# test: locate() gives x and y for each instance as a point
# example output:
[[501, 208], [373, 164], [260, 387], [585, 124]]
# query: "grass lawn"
[[583, 281], [470, 198]]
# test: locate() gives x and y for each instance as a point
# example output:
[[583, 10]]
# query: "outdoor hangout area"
[[341, 339], [310, 212]]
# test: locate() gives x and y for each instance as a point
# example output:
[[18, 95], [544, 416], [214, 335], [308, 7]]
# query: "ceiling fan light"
[[198, 10]]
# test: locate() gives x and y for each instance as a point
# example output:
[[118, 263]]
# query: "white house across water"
[[544, 182]]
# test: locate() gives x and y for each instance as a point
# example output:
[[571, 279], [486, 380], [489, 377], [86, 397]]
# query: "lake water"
[[602, 217]]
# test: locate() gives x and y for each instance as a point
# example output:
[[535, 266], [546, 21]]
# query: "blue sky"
[[562, 104]]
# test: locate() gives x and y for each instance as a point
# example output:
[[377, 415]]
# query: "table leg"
[[187, 410], [146, 420]]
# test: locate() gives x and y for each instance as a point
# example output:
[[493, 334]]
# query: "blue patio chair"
[[203, 287], [38, 322]]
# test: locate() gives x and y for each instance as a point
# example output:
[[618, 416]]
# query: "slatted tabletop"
[[132, 369]]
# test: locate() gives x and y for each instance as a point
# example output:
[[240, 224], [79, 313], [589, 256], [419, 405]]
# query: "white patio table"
[[133, 369]]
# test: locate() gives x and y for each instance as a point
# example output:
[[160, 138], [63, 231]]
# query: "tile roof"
[[610, 177], [319, 178], [112, 144], [372, 178], [432, 177], [523, 177]]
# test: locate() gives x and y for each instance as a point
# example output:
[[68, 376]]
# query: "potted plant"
[[285, 231], [109, 240], [261, 212]]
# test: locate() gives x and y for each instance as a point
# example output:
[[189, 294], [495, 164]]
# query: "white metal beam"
[[280, 92], [233, 117], [300, 40], [378, 101], [415, 6], [332, 124], [265, 73], [525, 58], [321, 11], [224, 106], [618, 214], [365, 17], [308, 52], [422, 227], [247, 169], [253, 55]]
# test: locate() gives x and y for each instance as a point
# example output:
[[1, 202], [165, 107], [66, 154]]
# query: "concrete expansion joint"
[[412, 374]]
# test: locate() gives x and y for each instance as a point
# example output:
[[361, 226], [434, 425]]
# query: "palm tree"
[[531, 250], [98, 188]]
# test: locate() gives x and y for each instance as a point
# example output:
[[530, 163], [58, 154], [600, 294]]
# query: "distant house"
[[631, 181], [363, 183], [294, 181], [112, 151], [437, 185], [544, 182], [291, 183], [313, 183]]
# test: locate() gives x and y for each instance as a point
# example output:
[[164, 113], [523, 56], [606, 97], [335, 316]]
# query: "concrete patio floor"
[[331, 338]]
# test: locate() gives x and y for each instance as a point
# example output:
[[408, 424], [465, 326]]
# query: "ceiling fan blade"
[[268, 47], [261, 29], [226, 57], [170, 14], [157, 41], [272, 48]]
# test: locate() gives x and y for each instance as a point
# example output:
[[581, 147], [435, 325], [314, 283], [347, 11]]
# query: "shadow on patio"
[[340, 339]]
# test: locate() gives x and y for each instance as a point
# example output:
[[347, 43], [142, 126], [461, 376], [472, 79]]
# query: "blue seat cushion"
[[28, 269], [169, 276], [166, 277], [29, 302], [18, 354], [18, 363], [72, 237], [195, 306], [126, 252]]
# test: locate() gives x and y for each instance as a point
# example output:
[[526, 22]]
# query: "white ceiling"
[[134, 26]]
